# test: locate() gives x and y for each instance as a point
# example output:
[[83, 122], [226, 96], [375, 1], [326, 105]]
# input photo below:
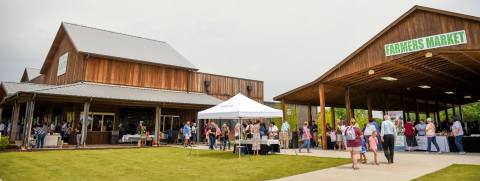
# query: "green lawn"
[[163, 163], [455, 172]]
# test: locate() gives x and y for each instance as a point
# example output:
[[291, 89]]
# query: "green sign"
[[425, 43]]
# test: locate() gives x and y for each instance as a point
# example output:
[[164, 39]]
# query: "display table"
[[470, 144], [266, 146], [441, 140], [52, 140], [129, 138]]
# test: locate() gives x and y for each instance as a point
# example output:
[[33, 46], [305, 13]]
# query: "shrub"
[[4, 142]]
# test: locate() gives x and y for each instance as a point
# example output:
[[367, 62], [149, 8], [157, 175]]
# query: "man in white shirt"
[[388, 133], [457, 132]]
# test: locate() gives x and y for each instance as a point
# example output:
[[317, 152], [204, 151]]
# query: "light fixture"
[[424, 86], [449, 92], [389, 78], [428, 54], [467, 97], [371, 72]]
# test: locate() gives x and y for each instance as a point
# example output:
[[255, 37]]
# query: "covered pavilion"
[[426, 61]]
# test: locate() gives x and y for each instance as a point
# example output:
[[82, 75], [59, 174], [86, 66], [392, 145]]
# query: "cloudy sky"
[[284, 43]]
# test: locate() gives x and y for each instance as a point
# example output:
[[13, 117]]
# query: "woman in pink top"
[[373, 142], [354, 142], [306, 136]]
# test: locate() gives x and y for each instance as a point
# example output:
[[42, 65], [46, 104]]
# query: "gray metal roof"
[[112, 44], [32, 73], [116, 92], [14, 87]]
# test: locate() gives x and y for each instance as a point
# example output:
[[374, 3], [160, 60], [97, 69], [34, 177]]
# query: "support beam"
[[321, 90], [417, 115], [460, 111], [309, 114], [158, 115], [86, 110], [369, 107], [427, 111], [30, 108], [332, 117], [282, 106], [446, 112], [453, 108], [14, 122], [437, 111], [348, 110], [403, 108]]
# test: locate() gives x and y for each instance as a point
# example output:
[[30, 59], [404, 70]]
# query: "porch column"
[[14, 122], [332, 116], [427, 110], [460, 111], [348, 110], [453, 108], [417, 116], [403, 109], [446, 111], [369, 107], [309, 112], [86, 109], [321, 91], [282, 106], [158, 114], [437, 111], [28, 123]]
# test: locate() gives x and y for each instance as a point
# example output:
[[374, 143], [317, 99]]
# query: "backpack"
[[350, 133]]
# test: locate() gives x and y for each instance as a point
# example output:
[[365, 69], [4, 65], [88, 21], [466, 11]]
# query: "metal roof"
[[12, 88], [107, 43], [116, 92], [32, 73]]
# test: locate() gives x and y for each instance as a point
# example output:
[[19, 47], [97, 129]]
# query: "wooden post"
[[460, 111], [417, 116], [446, 111], [321, 90], [453, 108], [282, 106], [348, 110], [158, 114], [332, 116], [437, 111], [427, 111], [403, 108], [86, 109], [369, 107], [309, 112], [28, 123], [14, 122]]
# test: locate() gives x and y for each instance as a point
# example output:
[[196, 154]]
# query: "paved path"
[[407, 166]]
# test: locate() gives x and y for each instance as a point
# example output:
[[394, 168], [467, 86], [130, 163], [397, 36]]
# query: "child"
[[340, 145], [333, 139], [363, 158], [373, 142]]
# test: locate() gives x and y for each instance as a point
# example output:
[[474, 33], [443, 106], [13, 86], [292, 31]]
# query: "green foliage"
[[4, 142]]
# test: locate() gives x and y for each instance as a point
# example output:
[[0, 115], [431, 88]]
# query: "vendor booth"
[[241, 107]]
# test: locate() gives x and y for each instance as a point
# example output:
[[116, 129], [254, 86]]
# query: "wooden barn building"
[[426, 61], [116, 80]]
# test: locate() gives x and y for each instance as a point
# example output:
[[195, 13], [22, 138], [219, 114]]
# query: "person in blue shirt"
[[363, 158]]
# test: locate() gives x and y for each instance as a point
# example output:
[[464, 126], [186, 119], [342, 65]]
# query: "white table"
[[441, 140], [129, 138], [52, 140]]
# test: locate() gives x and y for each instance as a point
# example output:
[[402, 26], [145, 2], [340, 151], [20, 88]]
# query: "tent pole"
[[239, 137]]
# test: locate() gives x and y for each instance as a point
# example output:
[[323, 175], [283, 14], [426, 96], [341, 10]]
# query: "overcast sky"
[[284, 43]]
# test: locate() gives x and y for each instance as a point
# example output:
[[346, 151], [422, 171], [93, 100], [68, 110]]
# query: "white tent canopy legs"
[[240, 107]]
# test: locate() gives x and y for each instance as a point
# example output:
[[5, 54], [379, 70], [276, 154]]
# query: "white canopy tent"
[[240, 107]]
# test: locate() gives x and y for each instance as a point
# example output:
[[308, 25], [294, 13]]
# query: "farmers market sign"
[[425, 43]]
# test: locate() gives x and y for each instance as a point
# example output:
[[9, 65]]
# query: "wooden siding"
[[418, 24], [108, 71], [75, 63], [224, 87]]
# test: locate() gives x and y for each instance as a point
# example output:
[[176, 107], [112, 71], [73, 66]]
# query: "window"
[[101, 121], [62, 64]]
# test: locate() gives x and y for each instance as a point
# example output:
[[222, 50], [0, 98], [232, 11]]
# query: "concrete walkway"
[[407, 166]]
